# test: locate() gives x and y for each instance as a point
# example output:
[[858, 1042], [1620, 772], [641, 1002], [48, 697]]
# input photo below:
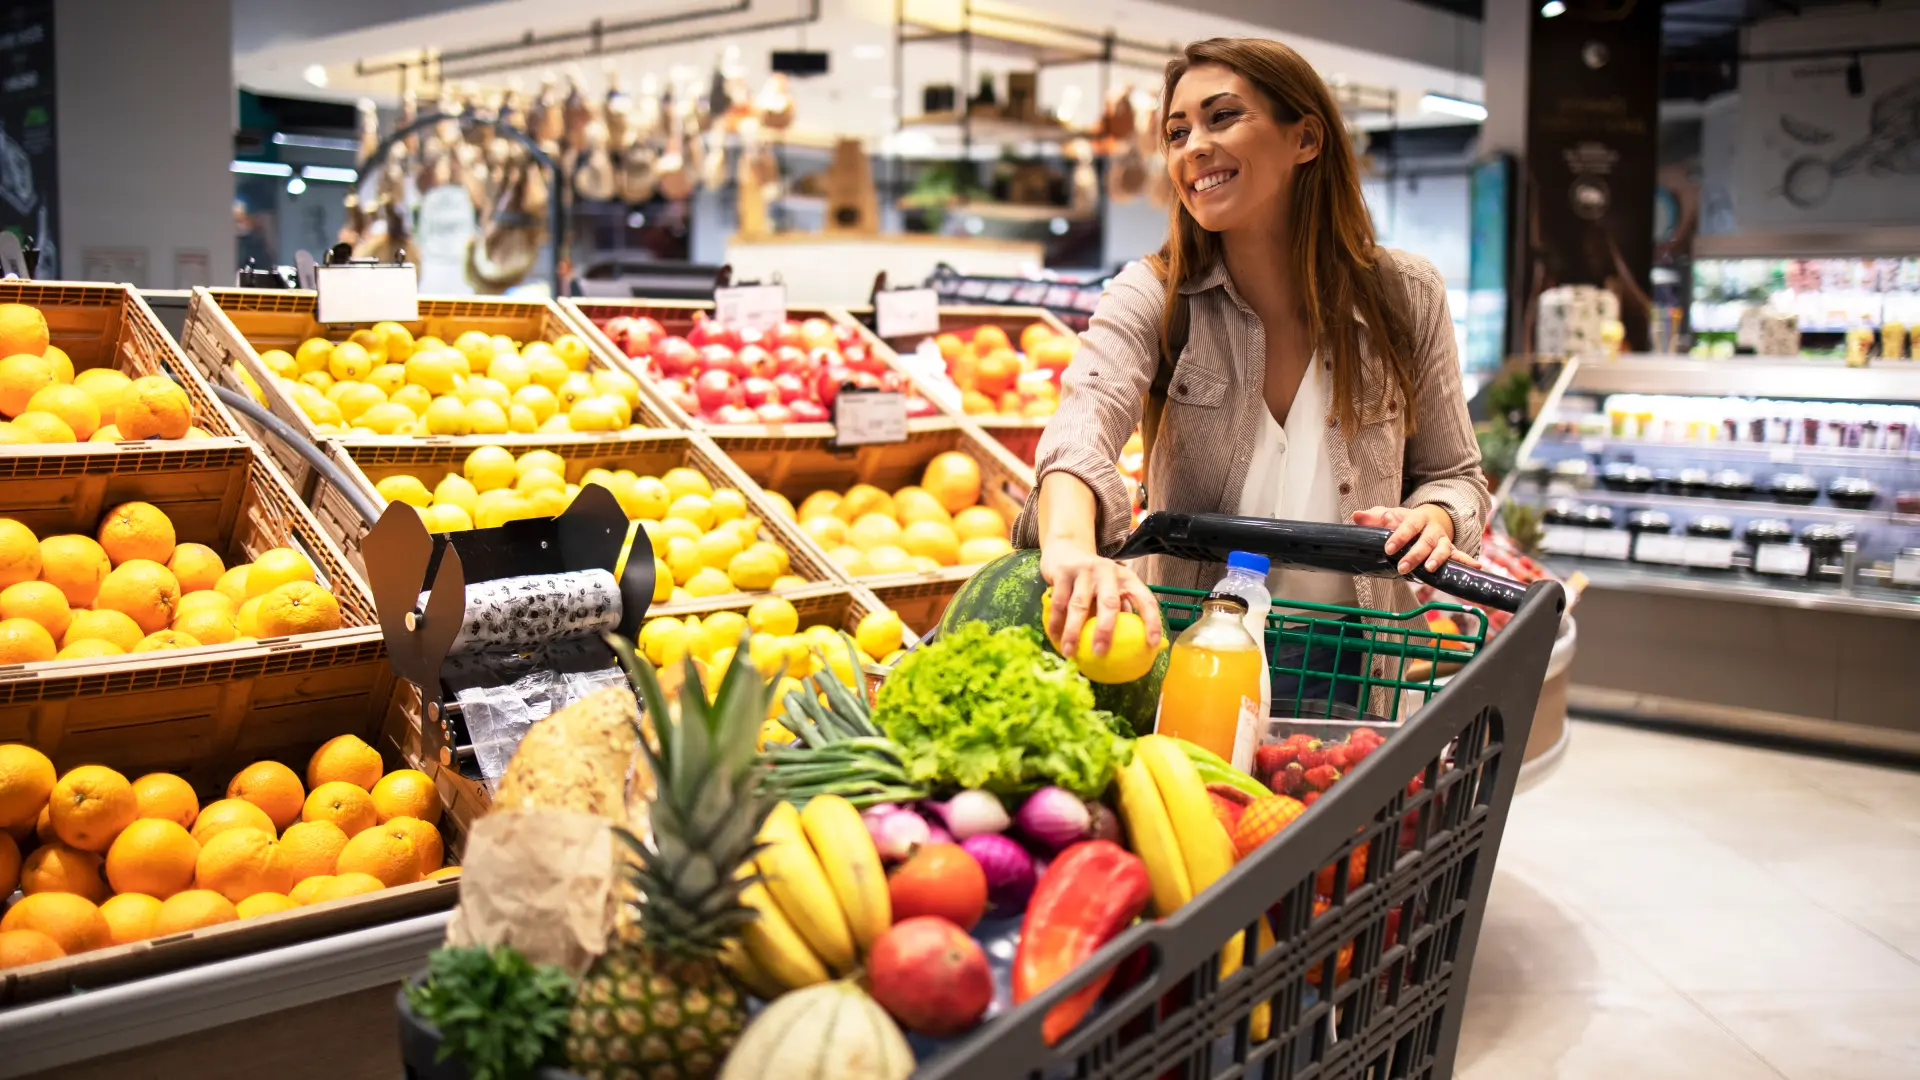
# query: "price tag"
[[1593, 444], [1906, 570], [1564, 540], [906, 312], [1660, 548], [750, 307], [1786, 560], [1608, 543], [870, 416], [1706, 553], [366, 294]]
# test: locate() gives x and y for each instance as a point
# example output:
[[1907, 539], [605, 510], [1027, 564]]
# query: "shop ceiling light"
[[329, 172], [262, 168], [1453, 106], [1552, 9], [296, 186], [869, 52], [316, 75]]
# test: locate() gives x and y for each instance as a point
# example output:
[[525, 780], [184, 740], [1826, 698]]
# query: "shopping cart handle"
[[1306, 545]]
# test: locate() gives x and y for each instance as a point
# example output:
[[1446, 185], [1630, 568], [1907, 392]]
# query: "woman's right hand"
[[1087, 585]]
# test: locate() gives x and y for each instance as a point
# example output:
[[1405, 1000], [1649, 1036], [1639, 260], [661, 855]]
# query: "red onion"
[[1054, 817], [1009, 869]]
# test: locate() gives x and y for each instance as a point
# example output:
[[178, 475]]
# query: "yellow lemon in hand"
[[1128, 657]]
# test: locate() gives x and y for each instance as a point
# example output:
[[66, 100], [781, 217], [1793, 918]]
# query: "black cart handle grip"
[[1473, 586]]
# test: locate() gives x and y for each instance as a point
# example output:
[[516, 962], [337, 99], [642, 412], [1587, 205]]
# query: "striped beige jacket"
[[1212, 420]]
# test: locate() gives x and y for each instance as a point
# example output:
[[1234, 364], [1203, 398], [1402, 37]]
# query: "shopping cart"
[[1369, 980]]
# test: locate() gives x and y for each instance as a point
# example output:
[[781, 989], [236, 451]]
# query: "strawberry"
[[1309, 798], [1268, 760], [1414, 785], [1340, 757], [1358, 752], [1321, 777], [1365, 734], [1313, 757], [1290, 780]]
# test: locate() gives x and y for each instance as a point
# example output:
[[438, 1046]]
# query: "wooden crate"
[[467, 798], [111, 326], [228, 325], [370, 460], [1020, 435], [677, 317]]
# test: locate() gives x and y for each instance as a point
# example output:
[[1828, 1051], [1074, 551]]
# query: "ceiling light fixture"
[[261, 168], [314, 142], [329, 173], [316, 75], [1453, 106], [869, 52], [1552, 9], [296, 186]]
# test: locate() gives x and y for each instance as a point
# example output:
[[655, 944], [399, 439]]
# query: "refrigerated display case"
[[1750, 533]]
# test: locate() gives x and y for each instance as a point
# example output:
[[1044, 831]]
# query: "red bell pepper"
[[1093, 890]]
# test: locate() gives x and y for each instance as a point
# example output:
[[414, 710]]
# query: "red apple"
[[675, 355], [760, 391], [708, 331], [809, 411], [715, 388], [773, 413], [931, 976], [818, 333], [790, 386], [791, 359], [755, 360], [721, 358], [735, 414]]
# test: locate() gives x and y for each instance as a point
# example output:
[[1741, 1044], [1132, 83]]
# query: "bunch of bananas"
[[1173, 828], [821, 897]]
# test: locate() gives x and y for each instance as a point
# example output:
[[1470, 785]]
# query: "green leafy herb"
[[502, 1016], [994, 710]]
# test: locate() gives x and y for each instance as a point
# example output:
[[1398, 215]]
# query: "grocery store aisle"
[[1672, 907]]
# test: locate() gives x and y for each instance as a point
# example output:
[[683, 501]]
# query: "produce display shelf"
[[228, 327], [1751, 376], [112, 326], [1019, 434], [677, 317], [649, 453]]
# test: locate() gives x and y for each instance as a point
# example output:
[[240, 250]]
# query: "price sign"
[[13, 259], [1608, 543], [366, 294], [906, 312], [1906, 569], [1786, 560], [870, 416], [1706, 553], [750, 307], [1564, 540], [1660, 548]]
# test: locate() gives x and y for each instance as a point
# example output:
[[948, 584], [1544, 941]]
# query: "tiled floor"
[[1672, 907]]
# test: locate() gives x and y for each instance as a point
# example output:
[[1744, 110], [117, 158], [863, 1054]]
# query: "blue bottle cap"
[[1247, 560]]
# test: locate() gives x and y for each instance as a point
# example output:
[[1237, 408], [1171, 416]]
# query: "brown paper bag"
[[542, 881]]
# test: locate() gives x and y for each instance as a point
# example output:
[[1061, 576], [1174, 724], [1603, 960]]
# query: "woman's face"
[[1230, 157]]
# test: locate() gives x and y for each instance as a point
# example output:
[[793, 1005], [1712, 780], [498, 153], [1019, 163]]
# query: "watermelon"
[[1006, 592]]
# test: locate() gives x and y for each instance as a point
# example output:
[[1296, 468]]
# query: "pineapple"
[[658, 1005]]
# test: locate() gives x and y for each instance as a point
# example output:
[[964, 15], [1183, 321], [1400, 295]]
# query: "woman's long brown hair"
[[1330, 234]]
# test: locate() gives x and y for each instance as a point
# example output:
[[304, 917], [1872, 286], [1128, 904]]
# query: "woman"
[[1317, 380]]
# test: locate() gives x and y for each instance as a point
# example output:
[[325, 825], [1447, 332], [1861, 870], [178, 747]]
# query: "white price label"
[[1786, 560], [1608, 544], [751, 307], [870, 416], [1906, 570], [1593, 444], [1660, 548], [1706, 553], [366, 294], [906, 312], [1564, 540]]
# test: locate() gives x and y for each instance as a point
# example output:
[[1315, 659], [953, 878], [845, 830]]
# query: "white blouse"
[[1290, 478]]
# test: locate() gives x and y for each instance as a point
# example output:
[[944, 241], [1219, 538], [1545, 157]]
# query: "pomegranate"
[[931, 976], [760, 391], [809, 411], [716, 388], [722, 358], [787, 334], [790, 386], [757, 361], [772, 412], [735, 414], [791, 360], [708, 331], [817, 334], [675, 355]]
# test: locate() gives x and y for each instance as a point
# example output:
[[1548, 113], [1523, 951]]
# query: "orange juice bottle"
[[1211, 694]]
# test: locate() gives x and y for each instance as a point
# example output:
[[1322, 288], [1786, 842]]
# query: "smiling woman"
[[1278, 362]]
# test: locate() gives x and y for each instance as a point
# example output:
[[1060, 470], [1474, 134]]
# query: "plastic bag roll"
[[537, 609]]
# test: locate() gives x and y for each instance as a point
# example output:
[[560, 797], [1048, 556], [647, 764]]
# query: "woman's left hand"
[[1427, 529]]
